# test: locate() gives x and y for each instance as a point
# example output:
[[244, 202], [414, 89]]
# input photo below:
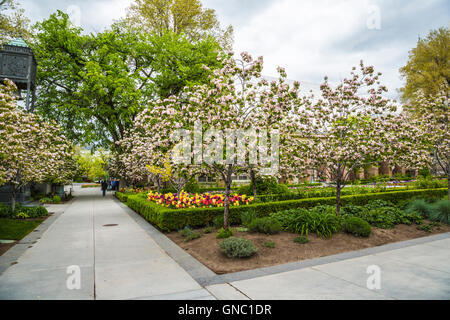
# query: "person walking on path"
[[104, 187]]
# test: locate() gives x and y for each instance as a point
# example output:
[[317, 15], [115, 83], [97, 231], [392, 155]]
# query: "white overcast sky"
[[310, 38]]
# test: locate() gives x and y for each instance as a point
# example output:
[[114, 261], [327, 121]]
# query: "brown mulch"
[[206, 248]]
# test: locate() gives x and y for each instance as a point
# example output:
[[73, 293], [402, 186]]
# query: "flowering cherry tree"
[[31, 150], [433, 116], [346, 128], [236, 100]]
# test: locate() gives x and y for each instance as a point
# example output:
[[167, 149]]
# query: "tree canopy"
[[428, 65], [178, 16], [94, 85], [13, 22]]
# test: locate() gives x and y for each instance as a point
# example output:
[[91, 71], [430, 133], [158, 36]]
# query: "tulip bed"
[[206, 200]]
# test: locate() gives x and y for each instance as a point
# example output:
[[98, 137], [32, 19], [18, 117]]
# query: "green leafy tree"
[[13, 22], [178, 16], [428, 66], [94, 85]]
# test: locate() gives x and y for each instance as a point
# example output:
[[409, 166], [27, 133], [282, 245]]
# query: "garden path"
[[116, 258]]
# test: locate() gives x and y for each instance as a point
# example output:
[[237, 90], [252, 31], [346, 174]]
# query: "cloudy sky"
[[310, 38]]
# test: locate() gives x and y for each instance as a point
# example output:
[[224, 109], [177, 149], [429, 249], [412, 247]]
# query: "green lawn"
[[15, 229]]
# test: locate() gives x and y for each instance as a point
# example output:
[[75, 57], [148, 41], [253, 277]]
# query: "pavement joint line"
[[211, 278], [238, 290]]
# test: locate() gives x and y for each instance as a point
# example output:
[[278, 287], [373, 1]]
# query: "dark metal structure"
[[18, 64]]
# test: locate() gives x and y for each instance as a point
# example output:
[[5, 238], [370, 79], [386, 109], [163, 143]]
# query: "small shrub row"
[[26, 212]]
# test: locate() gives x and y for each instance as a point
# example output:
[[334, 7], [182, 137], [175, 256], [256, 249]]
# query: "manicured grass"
[[15, 229]]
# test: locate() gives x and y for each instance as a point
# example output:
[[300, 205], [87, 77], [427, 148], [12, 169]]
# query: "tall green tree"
[[428, 67], [13, 22], [95, 85], [178, 16]]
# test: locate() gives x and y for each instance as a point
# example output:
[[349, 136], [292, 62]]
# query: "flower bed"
[[205, 200], [168, 219]]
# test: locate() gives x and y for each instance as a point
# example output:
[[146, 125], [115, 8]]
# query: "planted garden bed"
[[206, 248]]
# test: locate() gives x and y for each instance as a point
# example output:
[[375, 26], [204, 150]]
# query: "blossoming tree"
[[237, 106], [346, 129], [31, 150], [433, 116]]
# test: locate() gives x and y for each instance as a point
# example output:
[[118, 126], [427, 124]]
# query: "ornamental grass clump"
[[238, 248], [441, 211]]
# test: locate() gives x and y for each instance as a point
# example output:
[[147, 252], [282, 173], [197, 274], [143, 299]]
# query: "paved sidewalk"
[[121, 256], [122, 261]]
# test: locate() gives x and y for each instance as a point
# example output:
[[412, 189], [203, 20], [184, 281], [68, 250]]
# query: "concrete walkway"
[[116, 262], [121, 256]]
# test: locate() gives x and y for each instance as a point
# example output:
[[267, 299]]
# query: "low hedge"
[[175, 219], [122, 196]]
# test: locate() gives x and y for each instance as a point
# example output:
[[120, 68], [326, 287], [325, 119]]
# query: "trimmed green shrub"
[[265, 186], [5, 211], [301, 240], [265, 225], [357, 227], [56, 199], [247, 217], [32, 212], [188, 234], [121, 196], [441, 211], [238, 248], [223, 234]]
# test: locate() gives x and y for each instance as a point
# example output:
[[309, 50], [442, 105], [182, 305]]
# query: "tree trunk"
[[252, 178], [158, 183], [338, 194], [228, 180], [226, 214], [13, 199]]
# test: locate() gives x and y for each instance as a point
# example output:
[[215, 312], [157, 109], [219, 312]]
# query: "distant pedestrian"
[[104, 187]]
